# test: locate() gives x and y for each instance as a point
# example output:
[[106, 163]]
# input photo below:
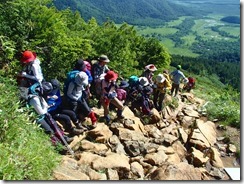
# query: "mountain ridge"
[[155, 12]]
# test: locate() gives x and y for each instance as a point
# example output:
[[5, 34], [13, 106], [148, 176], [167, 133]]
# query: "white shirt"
[[36, 71], [39, 104]]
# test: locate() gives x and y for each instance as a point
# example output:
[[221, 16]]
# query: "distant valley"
[[186, 27]]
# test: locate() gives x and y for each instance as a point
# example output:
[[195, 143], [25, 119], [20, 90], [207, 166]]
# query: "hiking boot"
[[80, 126], [76, 131], [94, 125], [68, 139], [107, 119], [120, 117], [119, 114]]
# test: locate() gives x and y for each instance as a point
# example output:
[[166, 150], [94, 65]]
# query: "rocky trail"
[[179, 143]]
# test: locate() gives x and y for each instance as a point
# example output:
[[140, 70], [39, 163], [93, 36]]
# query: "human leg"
[[160, 101], [155, 98], [117, 103]]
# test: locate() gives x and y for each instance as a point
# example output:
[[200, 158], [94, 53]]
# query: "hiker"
[[166, 75], [35, 99], [63, 116], [81, 65], [88, 65], [30, 74], [149, 72], [190, 84], [121, 91], [31, 68], [142, 93], [75, 97], [160, 88], [99, 69], [177, 76], [132, 91], [109, 95]]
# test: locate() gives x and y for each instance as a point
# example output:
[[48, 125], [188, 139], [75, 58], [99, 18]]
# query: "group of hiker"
[[71, 106]]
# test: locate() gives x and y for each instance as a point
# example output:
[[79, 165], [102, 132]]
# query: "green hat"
[[178, 67]]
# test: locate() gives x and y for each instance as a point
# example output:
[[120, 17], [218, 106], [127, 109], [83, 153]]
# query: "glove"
[[112, 95], [23, 74]]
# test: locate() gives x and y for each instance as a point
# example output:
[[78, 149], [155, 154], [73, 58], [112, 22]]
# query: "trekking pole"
[[59, 133]]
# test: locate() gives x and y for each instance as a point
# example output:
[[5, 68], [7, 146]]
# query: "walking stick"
[[51, 121]]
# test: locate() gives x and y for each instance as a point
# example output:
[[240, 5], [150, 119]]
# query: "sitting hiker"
[[109, 95], [132, 88], [190, 84], [160, 87], [142, 102], [64, 116], [82, 66], [30, 74], [99, 69], [35, 99], [177, 76], [75, 98], [149, 72]]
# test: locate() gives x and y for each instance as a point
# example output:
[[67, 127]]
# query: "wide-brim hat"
[[56, 85], [81, 78], [111, 75], [123, 84], [47, 87], [104, 58], [28, 56], [151, 67], [143, 81], [160, 78]]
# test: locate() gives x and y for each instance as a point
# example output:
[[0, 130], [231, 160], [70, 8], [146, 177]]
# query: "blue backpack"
[[70, 78], [33, 89]]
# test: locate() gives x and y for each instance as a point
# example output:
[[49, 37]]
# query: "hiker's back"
[[70, 77]]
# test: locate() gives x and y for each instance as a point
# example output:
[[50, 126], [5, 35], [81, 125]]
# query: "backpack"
[[69, 78], [32, 89], [133, 80]]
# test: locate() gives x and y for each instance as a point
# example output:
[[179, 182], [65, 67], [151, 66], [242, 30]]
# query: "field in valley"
[[207, 27]]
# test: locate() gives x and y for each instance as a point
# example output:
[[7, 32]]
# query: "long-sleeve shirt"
[[54, 103], [74, 91], [98, 70], [39, 104], [149, 75], [34, 71], [177, 75], [108, 88], [161, 87]]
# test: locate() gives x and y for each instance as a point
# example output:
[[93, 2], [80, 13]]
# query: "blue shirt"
[[177, 75], [53, 102]]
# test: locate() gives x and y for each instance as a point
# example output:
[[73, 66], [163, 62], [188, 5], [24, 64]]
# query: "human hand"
[[23, 74]]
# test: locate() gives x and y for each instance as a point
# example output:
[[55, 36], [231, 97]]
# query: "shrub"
[[224, 102], [26, 152]]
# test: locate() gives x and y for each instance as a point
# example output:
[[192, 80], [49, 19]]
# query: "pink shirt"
[[121, 94]]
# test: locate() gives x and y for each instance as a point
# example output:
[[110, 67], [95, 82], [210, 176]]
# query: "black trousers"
[[80, 107], [64, 116]]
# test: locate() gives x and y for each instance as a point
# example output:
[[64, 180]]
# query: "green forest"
[[60, 37], [147, 12]]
